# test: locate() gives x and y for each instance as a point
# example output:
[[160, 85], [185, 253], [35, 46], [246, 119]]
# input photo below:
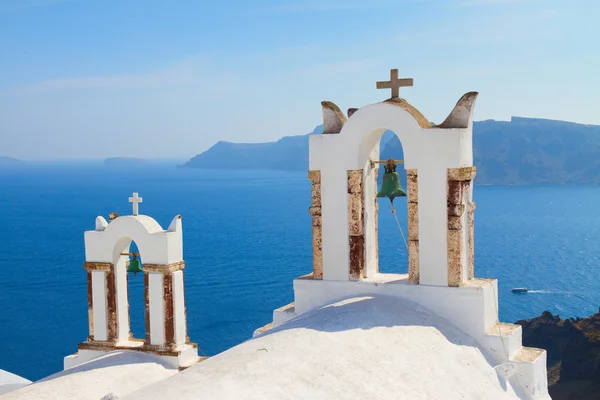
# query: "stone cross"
[[135, 200], [394, 83]]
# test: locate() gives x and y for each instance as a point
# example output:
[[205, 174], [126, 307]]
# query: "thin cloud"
[[183, 73], [151, 80]]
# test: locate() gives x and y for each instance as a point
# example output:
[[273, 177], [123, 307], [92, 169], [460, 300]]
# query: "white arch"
[[363, 131], [157, 245]]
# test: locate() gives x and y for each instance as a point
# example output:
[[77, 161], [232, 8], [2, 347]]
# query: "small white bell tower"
[[107, 257]]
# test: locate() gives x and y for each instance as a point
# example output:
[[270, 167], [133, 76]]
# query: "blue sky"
[[101, 78]]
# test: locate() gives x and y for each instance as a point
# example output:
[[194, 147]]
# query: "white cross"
[[135, 200], [394, 83]]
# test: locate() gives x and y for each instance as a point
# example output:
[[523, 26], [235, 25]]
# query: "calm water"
[[246, 236]]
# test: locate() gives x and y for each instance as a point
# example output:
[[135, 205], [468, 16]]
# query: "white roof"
[[10, 382], [118, 372], [361, 348]]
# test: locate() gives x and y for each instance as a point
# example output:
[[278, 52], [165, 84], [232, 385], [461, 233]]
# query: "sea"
[[247, 235]]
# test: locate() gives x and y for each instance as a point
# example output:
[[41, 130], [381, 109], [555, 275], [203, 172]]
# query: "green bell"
[[390, 186], [134, 266]]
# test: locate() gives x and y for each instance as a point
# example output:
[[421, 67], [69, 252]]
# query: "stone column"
[[412, 188], [111, 304], [376, 218], [356, 234], [165, 322], [471, 235], [97, 299], [90, 306], [459, 230], [148, 340], [317, 229], [128, 306], [169, 319]]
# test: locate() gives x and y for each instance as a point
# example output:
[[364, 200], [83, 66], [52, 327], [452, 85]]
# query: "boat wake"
[[548, 291]]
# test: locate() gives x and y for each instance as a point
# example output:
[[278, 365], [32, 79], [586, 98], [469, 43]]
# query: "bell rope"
[[398, 223]]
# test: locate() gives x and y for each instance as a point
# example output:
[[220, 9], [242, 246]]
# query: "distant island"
[[10, 161], [124, 161], [573, 347], [519, 151]]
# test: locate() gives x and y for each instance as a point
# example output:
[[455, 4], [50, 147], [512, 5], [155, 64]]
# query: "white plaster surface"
[[370, 190], [157, 308], [373, 347], [533, 377], [431, 151], [179, 308], [119, 372], [99, 305], [122, 299], [335, 225], [82, 356], [471, 308], [10, 382]]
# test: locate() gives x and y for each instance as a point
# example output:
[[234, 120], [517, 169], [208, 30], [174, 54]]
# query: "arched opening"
[[130, 291], [392, 230]]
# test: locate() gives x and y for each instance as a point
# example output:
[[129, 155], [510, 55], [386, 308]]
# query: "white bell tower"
[[107, 258]]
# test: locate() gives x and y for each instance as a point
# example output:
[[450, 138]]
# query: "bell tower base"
[[181, 357]]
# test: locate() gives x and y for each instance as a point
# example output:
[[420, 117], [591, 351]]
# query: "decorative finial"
[[135, 200], [394, 83], [333, 118]]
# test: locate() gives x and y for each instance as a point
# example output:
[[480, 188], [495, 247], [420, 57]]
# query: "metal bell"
[[390, 186], [134, 266]]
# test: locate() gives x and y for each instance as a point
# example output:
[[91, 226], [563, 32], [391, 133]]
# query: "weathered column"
[[97, 299], [169, 318], [128, 306], [165, 304], [147, 307], [111, 304], [90, 306], [356, 234], [460, 243], [471, 235], [376, 220], [412, 188], [317, 228]]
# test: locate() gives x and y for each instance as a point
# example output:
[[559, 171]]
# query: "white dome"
[[360, 348]]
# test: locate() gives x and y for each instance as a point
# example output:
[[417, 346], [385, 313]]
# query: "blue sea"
[[247, 234]]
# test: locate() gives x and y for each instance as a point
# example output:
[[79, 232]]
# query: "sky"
[[89, 79]]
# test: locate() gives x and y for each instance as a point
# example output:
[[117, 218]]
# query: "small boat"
[[520, 290]]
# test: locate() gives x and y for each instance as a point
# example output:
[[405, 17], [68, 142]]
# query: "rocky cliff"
[[573, 347]]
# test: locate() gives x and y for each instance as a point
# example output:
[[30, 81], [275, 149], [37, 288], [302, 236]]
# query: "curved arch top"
[[137, 223], [449, 144], [364, 129], [155, 244], [416, 114]]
